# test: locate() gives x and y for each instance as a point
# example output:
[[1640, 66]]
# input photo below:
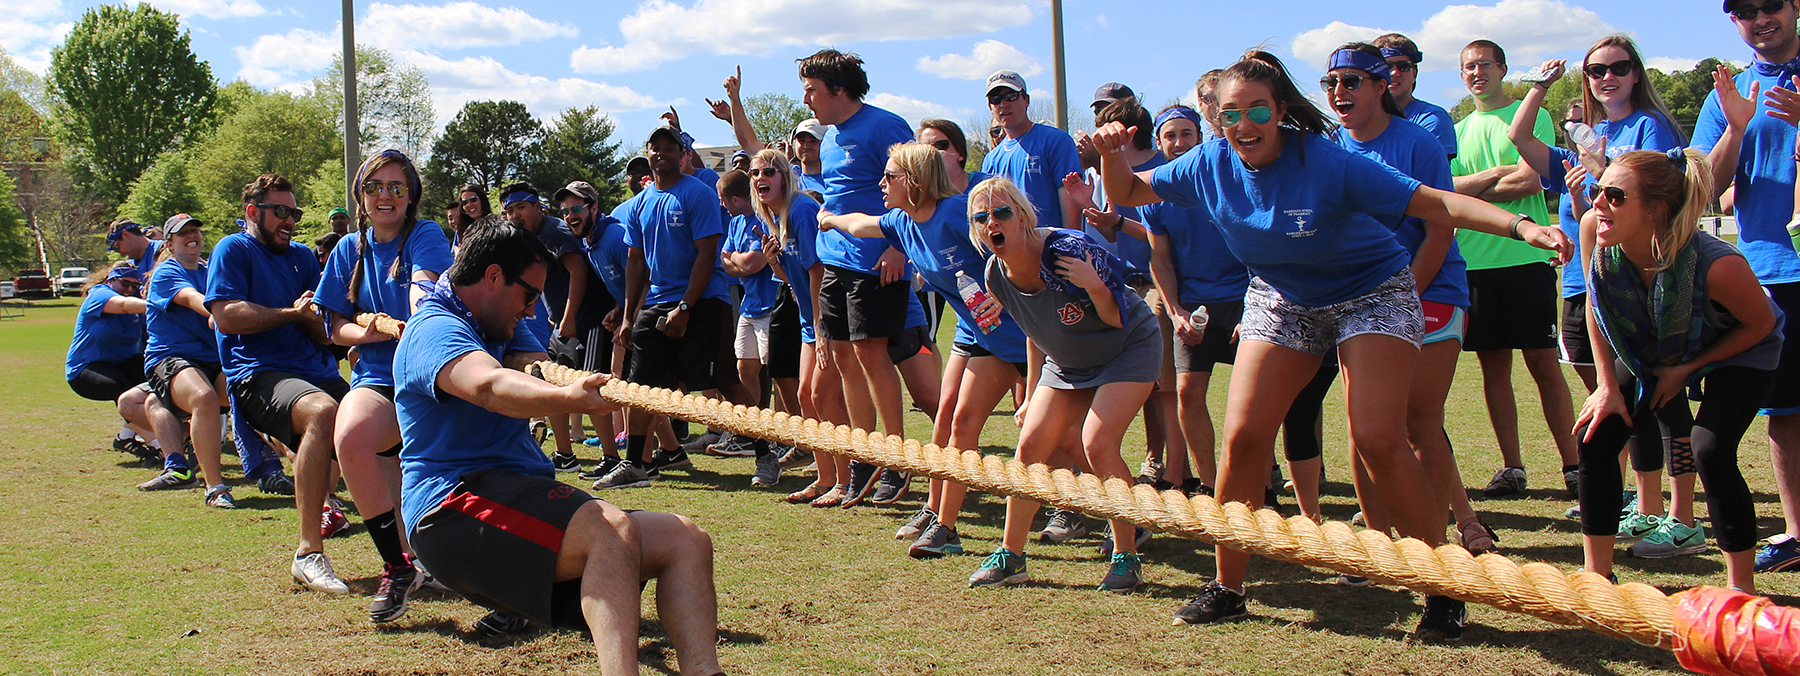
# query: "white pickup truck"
[[69, 280]]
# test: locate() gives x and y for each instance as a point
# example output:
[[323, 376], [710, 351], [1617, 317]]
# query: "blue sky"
[[632, 58]]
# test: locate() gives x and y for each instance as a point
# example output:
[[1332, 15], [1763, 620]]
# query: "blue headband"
[[1182, 112], [1391, 52], [119, 233], [520, 196], [123, 273], [1356, 58]]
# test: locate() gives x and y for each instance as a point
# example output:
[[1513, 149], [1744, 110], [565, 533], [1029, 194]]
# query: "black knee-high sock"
[[384, 529], [680, 426], [761, 447], [634, 450]]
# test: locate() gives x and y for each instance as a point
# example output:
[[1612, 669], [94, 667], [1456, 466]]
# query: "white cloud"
[[29, 42], [455, 25], [212, 9], [1527, 29], [34, 8], [916, 109], [661, 30], [479, 78], [274, 60], [987, 57]]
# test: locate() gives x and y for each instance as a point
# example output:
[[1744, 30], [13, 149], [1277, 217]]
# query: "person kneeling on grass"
[[486, 513]]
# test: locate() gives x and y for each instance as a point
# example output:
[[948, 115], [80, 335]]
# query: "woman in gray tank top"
[[1102, 353], [1670, 308]]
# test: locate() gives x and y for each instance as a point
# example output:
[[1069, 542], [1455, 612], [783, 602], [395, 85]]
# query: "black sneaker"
[[1193, 487], [1272, 500], [396, 586], [893, 486], [498, 624], [565, 463], [137, 448], [1215, 603], [276, 484], [862, 482], [662, 460], [1443, 619], [600, 469]]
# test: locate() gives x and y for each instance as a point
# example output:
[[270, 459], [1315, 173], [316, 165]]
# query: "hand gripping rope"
[[1711, 630]]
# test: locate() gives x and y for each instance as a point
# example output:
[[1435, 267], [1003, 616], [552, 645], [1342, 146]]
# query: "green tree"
[[774, 115], [269, 132], [1685, 91], [28, 85], [162, 191], [579, 146], [16, 240], [132, 89], [393, 102], [487, 143]]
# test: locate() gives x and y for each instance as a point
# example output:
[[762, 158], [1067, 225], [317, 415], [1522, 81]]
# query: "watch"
[[683, 306], [1513, 227]]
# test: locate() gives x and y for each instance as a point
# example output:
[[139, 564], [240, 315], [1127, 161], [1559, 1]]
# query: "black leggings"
[[106, 380], [1732, 397], [1299, 430], [1653, 445]]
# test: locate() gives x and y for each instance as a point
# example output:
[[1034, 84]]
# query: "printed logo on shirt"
[[849, 151], [1071, 314], [949, 254], [673, 217], [1301, 219], [1033, 165]]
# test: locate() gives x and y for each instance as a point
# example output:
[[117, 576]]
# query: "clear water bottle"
[[1583, 136], [973, 297], [1199, 318]]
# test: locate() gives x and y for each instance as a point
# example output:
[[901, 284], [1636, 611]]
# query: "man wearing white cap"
[[1035, 156]]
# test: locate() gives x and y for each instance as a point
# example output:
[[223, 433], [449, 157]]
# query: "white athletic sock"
[[126, 433], [156, 444], [224, 427]]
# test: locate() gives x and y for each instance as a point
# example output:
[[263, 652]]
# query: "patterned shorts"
[[1391, 309]]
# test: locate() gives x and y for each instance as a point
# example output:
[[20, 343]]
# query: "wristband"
[[1513, 227]]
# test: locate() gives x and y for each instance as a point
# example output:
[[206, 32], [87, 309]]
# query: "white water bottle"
[[1198, 319], [1584, 136], [973, 297]]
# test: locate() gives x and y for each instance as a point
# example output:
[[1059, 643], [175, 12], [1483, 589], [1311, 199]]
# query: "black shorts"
[[660, 361], [106, 380], [1784, 395], [495, 539], [162, 380], [910, 343], [784, 336], [972, 351], [1216, 345], [596, 350], [1513, 308], [266, 400], [1575, 346], [857, 306], [570, 352]]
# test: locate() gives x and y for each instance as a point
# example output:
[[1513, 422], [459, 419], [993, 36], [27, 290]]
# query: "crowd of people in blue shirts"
[[1091, 277]]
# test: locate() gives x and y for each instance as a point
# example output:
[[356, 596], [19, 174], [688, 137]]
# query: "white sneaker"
[[314, 572]]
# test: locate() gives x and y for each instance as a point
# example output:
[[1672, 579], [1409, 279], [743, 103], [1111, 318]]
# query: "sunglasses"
[[893, 176], [1620, 68], [576, 210], [1403, 66], [1257, 115], [1351, 81], [765, 172], [941, 144], [129, 285], [532, 293], [470, 200], [1749, 12], [375, 188], [999, 214], [1613, 194], [997, 99], [281, 211]]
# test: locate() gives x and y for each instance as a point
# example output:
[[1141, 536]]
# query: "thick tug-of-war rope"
[[1717, 631]]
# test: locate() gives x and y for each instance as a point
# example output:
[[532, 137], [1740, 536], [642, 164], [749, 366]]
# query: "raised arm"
[[1462, 211], [1531, 148], [740, 121], [1737, 111], [1123, 187]]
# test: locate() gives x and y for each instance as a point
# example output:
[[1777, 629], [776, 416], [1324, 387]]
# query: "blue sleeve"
[[890, 227], [1376, 189], [804, 223], [1710, 126], [164, 284], [1438, 123], [1149, 215], [1659, 136], [335, 281], [1558, 156], [1178, 182], [428, 249], [1063, 158], [95, 304], [702, 219], [628, 221], [230, 278], [450, 339]]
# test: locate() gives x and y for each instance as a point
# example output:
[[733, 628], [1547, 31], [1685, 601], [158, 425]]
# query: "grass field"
[[102, 579]]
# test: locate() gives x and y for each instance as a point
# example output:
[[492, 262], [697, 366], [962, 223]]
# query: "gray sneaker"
[[698, 444], [768, 470], [938, 540], [1125, 574], [920, 521], [1064, 525], [220, 498], [170, 481], [1000, 568], [626, 475], [792, 456], [1507, 481]]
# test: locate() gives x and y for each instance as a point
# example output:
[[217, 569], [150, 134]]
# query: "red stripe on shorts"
[[507, 519]]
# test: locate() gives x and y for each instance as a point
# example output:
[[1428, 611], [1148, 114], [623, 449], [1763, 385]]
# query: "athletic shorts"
[[971, 351], [266, 400], [1392, 309], [1443, 322], [106, 380], [784, 337], [1216, 344], [1784, 396], [494, 539], [162, 380], [660, 361], [752, 338], [1575, 346], [857, 306], [596, 351], [910, 343], [1513, 308], [570, 351]]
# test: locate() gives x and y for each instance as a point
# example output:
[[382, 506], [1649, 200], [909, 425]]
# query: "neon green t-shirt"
[[1482, 142]]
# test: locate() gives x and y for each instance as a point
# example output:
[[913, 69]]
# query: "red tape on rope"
[[1725, 633]]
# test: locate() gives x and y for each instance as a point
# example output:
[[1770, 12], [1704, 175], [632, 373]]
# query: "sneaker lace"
[[995, 561], [1121, 563], [1062, 520], [920, 517]]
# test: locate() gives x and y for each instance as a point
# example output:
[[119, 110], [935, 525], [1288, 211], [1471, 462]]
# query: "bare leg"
[[883, 383], [601, 541], [1047, 420], [200, 399], [1425, 424], [1197, 426], [920, 375], [1553, 393], [366, 426], [988, 380], [315, 418], [1111, 410], [1503, 411], [1265, 382]]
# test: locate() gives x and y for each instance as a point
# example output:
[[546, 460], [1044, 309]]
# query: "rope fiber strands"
[[1711, 630]]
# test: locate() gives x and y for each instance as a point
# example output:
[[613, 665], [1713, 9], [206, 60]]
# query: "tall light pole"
[[352, 136], [1056, 46]]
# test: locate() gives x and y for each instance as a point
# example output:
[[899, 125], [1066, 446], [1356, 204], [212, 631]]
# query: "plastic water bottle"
[[1584, 136], [1199, 318], [974, 297]]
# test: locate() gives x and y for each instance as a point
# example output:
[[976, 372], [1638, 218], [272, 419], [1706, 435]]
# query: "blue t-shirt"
[[1205, 266], [1434, 119], [853, 155], [1412, 150], [813, 182], [939, 248], [1135, 252], [243, 269], [761, 287], [100, 336], [608, 254], [174, 330], [427, 250], [1316, 232], [443, 437], [799, 253], [1037, 163], [1637, 131], [666, 225], [146, 264], [1765, 181]]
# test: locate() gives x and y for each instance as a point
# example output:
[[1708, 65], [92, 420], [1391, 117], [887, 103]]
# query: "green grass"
[[100, 578]]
